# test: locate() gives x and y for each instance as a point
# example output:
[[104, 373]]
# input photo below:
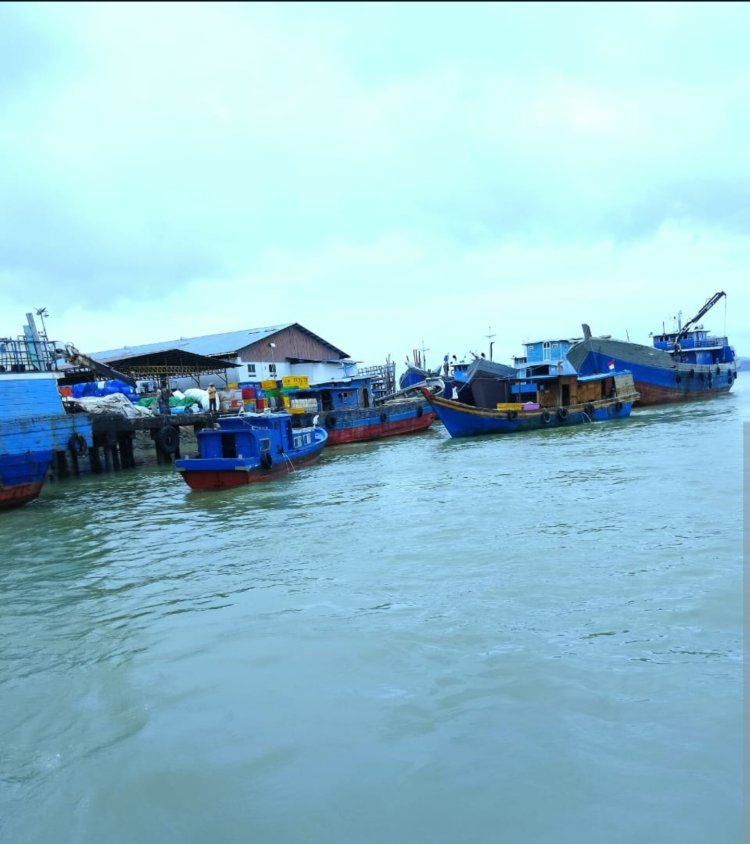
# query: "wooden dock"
[[114, 441]]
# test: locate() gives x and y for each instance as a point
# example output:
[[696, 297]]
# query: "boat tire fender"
[[167, 439], [512, 414], [383, 418], [266, 461], [618, 406], [546, 416], [678, 378], [330, 421], [562, 412], [77, 445], [589, 409], [691, 374]]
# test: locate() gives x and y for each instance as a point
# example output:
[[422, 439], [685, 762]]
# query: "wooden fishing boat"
[[594, 398], [541, 391], [248, 448]]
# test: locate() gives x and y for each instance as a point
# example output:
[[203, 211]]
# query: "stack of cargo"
[[253, 396], [288, 386]]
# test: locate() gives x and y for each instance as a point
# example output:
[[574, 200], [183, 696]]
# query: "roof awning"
[[171, 362]]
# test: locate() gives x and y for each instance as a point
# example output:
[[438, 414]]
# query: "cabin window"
[[546, 351], [265, 444]]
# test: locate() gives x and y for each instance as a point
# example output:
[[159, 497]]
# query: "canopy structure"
[[176, 363], [160, 365]]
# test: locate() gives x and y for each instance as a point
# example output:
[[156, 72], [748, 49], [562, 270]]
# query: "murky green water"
[[525, 639]]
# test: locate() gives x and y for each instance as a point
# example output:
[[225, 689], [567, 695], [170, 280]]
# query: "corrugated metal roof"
[[228, 343]]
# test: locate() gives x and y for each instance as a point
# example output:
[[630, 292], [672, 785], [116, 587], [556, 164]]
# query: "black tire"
[[512, 414], [266, 461], [618, 406], [167, 439], [562, 413], [589, 409], [330, 421], [546, 416], [77, 445], [384, 418], [678, 378]]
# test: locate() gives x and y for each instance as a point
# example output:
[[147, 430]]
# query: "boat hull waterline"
[[463, 420]]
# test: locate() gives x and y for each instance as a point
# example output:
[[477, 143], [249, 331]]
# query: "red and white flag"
[[611, 364]]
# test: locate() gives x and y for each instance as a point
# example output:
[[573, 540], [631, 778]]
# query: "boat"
[[682, 365], [353, 410], [543, 392], [250, 447], [34, 422]]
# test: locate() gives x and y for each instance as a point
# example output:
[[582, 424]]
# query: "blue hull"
[[33, 426], [462, 420], [657, 384]]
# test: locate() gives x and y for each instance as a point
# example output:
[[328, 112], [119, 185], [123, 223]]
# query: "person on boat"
[[211, 398]]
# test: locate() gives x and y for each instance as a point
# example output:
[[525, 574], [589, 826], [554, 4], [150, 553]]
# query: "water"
[[508, 639]]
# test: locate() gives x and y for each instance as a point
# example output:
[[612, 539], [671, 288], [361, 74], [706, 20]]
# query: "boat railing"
[[23, 354], [692, 343]]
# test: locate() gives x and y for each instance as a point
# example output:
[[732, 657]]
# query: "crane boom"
[[701, 313]]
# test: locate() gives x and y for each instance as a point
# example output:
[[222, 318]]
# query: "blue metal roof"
[[228, 343]]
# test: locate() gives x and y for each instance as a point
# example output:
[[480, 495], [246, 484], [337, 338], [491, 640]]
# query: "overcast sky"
[[388, 175]]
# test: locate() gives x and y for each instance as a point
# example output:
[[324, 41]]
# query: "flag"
[[611, 365]]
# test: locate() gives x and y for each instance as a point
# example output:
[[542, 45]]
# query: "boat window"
[[265, 444]]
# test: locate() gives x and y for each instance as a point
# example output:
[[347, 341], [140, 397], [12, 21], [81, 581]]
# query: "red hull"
[[216, 479], [362, 433], [654, 394], [15, 496]]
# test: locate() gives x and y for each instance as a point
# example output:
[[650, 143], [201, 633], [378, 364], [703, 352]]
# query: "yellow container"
[[268, 384], [298, 381], [296, 409], [508, 406]]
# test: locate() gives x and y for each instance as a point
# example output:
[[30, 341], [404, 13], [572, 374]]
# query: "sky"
[[393, 177]]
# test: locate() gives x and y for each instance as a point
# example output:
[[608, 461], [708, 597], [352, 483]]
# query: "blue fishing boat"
[[685, 364], [543, 392], [34, 423], [248, 448], [352, 411]]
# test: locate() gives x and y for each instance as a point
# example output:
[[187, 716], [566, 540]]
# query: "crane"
[[701, 313]]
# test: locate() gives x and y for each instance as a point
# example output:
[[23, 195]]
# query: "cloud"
[[228, 160]]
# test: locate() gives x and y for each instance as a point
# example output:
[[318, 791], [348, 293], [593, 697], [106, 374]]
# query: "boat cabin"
[[697, 346], [548, 391], [253, 435], [349, 394]]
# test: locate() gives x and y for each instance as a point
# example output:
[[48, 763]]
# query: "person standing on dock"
[[211, 398]]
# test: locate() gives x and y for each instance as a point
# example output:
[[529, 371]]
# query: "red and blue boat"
[[682, 365], [249, 448], [355, 410], [34, 423]]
